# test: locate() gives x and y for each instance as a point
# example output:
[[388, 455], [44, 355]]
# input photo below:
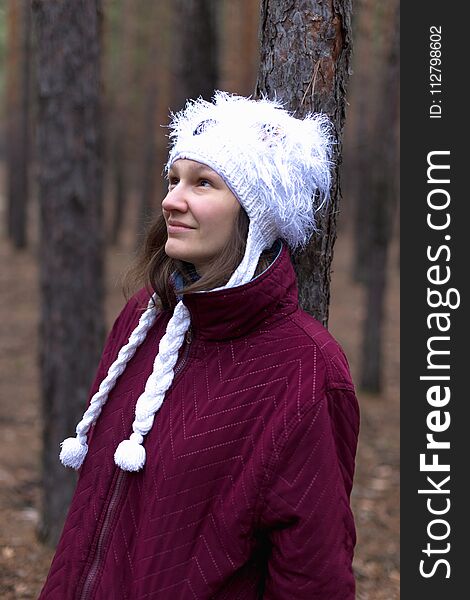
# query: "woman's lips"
[[176, 227]]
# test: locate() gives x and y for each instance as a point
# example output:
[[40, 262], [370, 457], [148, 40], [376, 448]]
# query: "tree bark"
[[305, 54], [384, 197], [18, 99], [69, 138]]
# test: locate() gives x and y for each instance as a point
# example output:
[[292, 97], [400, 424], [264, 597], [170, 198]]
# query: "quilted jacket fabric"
[[245, 492]]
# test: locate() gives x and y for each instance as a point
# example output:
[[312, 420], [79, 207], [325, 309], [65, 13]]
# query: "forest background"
[[146, 71]]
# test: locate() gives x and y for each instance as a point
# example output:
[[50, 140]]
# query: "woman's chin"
[[175, 249]]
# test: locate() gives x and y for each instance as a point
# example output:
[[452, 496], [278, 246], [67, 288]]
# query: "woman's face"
[[200, 213]]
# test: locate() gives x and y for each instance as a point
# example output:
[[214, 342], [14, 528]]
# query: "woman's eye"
[[172, 181], [205, 182]]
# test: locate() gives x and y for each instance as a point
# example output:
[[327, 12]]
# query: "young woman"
[[221, 463]]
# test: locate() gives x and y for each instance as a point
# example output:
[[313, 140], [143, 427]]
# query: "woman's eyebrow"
[[196, 171], [203, 170]]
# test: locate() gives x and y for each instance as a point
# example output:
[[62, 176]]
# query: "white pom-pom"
[[73, 452], [130, 455]]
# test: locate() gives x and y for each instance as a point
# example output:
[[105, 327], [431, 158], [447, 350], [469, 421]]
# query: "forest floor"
[[24, 562]]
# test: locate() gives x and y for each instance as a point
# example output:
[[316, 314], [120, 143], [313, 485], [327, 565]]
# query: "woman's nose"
[[175, 200]]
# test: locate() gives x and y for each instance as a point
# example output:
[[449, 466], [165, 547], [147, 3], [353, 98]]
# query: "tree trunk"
[[239, 52], [305, 53], [18, 114], [383, 207], [365, 72], [151, 160], [69, 138], [195, 50], [118, 113]]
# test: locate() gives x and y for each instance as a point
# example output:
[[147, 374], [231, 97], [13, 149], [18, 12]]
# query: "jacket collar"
[[238, 311]]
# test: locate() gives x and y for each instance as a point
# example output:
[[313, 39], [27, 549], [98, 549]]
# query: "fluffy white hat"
[[279, 169], [276, 165]]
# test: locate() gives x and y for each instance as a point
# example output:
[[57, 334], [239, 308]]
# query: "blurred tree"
[[69, 140], [305, 53], [149, 161], [164, 81], [194, 50], [119, 66], [382, 206], [372, 29], [239, 51], [364, 99], [157, 19], [18, 115]]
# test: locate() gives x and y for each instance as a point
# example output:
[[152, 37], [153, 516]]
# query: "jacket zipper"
[[188, 339], [114, 501], [99, 554]]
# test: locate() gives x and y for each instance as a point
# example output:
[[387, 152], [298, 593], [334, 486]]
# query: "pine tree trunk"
[[18, 114], [149, 160], [117, 119], [239, 52], [305, 54], [163, 102], [363, 83], [195, 50], [384, 196], [150, 179], [69, 138]]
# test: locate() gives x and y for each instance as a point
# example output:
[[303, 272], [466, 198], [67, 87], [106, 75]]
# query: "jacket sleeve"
[[306, 512]]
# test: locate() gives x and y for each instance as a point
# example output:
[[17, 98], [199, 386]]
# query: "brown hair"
[[153, 267]]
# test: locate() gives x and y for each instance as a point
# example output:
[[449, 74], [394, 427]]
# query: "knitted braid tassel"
[[74, 449], [130, 454]]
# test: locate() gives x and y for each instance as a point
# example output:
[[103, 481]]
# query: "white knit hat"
[[278, 167]]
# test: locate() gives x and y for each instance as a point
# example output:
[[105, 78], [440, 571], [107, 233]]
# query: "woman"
[[221, 464]]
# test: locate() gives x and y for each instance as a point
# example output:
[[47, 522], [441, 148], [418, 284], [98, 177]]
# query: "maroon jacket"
[[245, 492]]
